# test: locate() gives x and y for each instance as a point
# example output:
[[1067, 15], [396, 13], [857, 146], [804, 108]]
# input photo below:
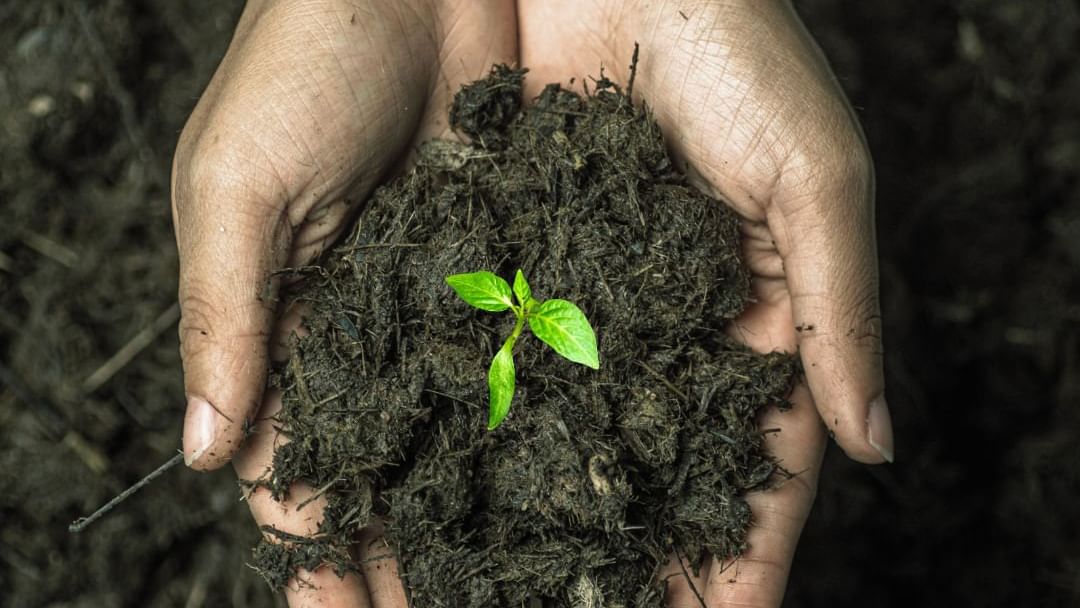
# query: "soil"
[[595, 476], [91, 102], [970, 110]]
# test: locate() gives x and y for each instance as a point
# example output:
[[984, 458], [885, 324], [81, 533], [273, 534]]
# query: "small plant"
[[558, 323]]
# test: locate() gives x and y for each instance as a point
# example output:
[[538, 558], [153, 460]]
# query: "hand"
[[315, 103], [748, 102]]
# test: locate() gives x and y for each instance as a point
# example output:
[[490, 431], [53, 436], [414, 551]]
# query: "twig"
[[144, 338], [686, 574], [91, 456], [388, 245], [80, 524], [449, 396], [310, 499], [289, 537], [661, 378], [50, 249], [633, 75]]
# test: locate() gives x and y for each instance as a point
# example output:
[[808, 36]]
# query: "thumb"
[[829, 252], [231, 234]]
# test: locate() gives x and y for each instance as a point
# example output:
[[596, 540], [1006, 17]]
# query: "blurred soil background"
[[970, 107], [92, 99]]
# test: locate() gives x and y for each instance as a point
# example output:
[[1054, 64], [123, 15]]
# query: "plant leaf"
[[483, 290], [562, 326], [521, 288], [500, 385]]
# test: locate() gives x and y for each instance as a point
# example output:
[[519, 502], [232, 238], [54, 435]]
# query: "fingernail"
[[879, 427], [200, 428]]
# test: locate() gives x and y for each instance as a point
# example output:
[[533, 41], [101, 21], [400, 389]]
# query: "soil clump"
[[596, 476]]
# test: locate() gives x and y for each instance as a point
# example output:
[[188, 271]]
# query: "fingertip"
[[846, 379], [864, 432], [225, 369], [210, 439]]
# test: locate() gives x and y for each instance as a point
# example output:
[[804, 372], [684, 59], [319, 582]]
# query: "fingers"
[[300, 513], [380, 569], [322, 587], [759, 577], [822, 217], [377, 584]]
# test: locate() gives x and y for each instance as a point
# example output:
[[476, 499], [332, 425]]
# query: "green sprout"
[[558, 323]]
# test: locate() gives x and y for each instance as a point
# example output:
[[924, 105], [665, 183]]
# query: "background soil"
[[970, 109]]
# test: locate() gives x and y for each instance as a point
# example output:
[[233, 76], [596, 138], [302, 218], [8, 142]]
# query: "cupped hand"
[[315, 103], [748, 102]]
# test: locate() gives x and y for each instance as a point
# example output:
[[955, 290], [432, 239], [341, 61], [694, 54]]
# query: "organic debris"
[[595, 477]]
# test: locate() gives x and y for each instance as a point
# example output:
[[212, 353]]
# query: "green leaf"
[[500, 385], [483, 289], [562, 326], [521, 288]]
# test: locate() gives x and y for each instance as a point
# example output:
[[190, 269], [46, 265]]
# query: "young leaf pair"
[[558, 323]]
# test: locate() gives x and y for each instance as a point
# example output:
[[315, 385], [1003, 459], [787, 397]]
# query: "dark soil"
[[595, 477], [91, 102], [970, 110]]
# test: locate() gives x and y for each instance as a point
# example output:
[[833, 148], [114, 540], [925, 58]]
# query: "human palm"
[[317, 101]]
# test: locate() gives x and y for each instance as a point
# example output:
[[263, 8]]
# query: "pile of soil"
[[596, 476]]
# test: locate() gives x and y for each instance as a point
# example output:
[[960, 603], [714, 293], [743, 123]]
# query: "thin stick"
[[633, 75], [389, 245], [317, 494], [449, 396], [50, 249], [80, 524], [661, 378], [144, 338], [689, 581]]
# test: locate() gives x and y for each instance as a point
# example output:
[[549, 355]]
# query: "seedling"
[[558, 323]]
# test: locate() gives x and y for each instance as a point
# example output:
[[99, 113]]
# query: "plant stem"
[[518, 326]]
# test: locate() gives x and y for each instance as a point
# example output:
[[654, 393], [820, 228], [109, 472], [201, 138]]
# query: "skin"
[[318, 101]]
